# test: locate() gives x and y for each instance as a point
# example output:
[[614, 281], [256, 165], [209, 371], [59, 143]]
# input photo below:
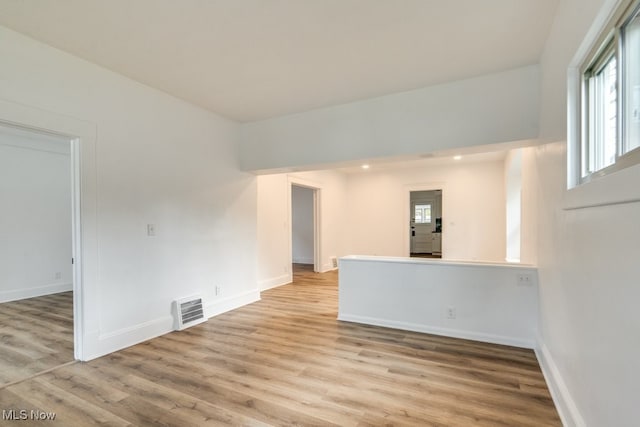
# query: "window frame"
[[595, 69], [415, 208], [607, 44]]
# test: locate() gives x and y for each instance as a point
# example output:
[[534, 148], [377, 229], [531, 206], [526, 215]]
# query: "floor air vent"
[[189, 312]]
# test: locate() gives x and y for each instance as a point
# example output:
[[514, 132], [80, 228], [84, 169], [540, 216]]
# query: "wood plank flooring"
[[286, 360], [36, 334]]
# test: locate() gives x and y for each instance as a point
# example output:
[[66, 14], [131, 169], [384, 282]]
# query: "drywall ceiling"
[[390, 165], [255, 59]]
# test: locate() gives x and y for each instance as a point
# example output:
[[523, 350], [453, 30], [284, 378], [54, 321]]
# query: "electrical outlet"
[[58, 275], [525, 279], [151, 230], [451, 312], [217, 290]]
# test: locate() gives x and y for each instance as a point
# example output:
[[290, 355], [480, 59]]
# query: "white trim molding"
[[406, 208], [601, 28], [566, 406], [105, 343], [317, 218], [274, 282], [434, 330], [37, 291], [230, 303], [82, 137]]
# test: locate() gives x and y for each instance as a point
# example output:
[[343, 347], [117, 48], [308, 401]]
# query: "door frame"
[[317, 219], [413, 225], [81, 137], [406, 209]]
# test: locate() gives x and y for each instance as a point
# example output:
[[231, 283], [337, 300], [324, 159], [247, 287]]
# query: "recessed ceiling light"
[[458, 157], [365, 166]]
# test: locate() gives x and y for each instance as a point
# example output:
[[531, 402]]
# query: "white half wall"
[[35, 219], [473, 210], [500, 107], [483, 302], [152, 159]]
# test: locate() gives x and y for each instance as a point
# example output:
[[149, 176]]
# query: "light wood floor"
[[286, 360], [36, 334]]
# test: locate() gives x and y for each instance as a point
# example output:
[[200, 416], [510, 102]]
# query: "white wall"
[[333, 202], [35, 219], [521, 205], [274, 231], [587, 258], [204, 207], [302, 225], [274, 222], [367, 214], [151, 159], [588, 266], [458, 114], [513, 195], [473, 214], [529, 207], [572, 21]]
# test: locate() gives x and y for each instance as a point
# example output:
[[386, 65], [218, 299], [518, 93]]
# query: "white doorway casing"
[[302, 225], [421, 233], [81, 136], [407, 214], [316, 188]]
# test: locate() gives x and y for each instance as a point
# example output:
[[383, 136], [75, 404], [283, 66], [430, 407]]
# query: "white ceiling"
[[254, 59], [432, 161]]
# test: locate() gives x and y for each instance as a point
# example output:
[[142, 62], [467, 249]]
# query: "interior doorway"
[[305, 227], [425, 233], [36, 251]]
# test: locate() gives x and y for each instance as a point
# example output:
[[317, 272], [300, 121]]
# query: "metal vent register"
[[189, 312]]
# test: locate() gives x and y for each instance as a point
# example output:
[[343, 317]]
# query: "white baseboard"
[[231, 303], [274, 282], [38, 291], [566, 406], [435, 330], [97, 344], [327, 267], [303, 260]]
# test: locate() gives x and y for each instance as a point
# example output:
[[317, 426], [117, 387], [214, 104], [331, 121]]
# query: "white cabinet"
[[436, 242]]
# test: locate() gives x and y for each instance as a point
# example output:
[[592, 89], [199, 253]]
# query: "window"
[[631, 52], [422, 214], [601, 94], [610, 100]]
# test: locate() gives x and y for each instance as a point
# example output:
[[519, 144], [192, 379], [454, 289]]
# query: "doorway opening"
[[305, 227], [425, 233], [37, 277]]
